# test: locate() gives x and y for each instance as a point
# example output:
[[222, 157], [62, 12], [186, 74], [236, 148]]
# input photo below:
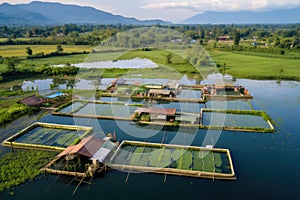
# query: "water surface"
[[267, 165]]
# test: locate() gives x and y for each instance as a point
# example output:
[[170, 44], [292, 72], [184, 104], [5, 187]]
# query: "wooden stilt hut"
[[84, 159]]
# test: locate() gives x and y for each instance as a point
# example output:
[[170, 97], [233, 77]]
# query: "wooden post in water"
[[77, 186], [12, 148]]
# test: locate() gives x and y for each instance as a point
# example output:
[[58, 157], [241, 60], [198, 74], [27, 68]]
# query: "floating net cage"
[[48, 136], [132, 156]]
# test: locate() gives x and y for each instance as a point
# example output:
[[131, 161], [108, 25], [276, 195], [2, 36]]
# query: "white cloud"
[[224, 5]]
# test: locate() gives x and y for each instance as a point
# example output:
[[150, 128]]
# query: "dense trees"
[[43, 70], [281, 35]]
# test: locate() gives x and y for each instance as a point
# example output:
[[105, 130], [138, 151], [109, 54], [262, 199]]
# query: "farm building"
[[160, 93], [154, 86], [84, 159], [229, 90], [33, 101], [224, 38], [158, 114]]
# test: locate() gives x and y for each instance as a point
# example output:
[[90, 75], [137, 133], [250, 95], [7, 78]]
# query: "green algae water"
[[266, 165]]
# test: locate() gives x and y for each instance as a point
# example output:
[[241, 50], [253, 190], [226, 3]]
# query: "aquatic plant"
[[187, 158], [135, 156], [21, 166], [145, 157]]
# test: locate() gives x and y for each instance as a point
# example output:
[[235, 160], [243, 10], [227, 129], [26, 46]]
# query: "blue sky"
[[173, 10]]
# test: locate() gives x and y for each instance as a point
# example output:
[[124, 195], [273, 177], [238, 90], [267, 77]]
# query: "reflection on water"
[[136, 63], [43, 85]]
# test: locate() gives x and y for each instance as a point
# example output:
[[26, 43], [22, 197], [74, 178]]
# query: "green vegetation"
[[165, 158], [242, 125], [244, 112], [45, 71], [48, 136], [163, 57], [198, 161], [218, 159], [145, 117], [257, 66], [10, 109], [180, 158], [255, 51], [21, 166], [155, 154], [208, 162], [187, 158], [15, 111], [145, 157], [136, 155]]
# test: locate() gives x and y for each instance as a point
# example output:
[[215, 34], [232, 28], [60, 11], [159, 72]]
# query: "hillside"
[[247, 17], [46, 13]]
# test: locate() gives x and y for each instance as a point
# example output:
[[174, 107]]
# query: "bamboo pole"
[[77, 187], [178, 172], [127, 177]]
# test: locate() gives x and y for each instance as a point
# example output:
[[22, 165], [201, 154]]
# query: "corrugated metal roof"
[[87, 147], [101, 154]]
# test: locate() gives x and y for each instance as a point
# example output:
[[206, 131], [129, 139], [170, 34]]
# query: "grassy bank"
[[21, 166], [257, 66]]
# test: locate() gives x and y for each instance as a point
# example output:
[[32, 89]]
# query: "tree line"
[[281, 35]]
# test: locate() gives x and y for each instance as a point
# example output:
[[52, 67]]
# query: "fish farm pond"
[[264, 165]]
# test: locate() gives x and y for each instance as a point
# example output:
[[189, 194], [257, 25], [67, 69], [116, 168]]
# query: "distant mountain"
[[7, 20], [45, 13], [247, 17], [15, 15]]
